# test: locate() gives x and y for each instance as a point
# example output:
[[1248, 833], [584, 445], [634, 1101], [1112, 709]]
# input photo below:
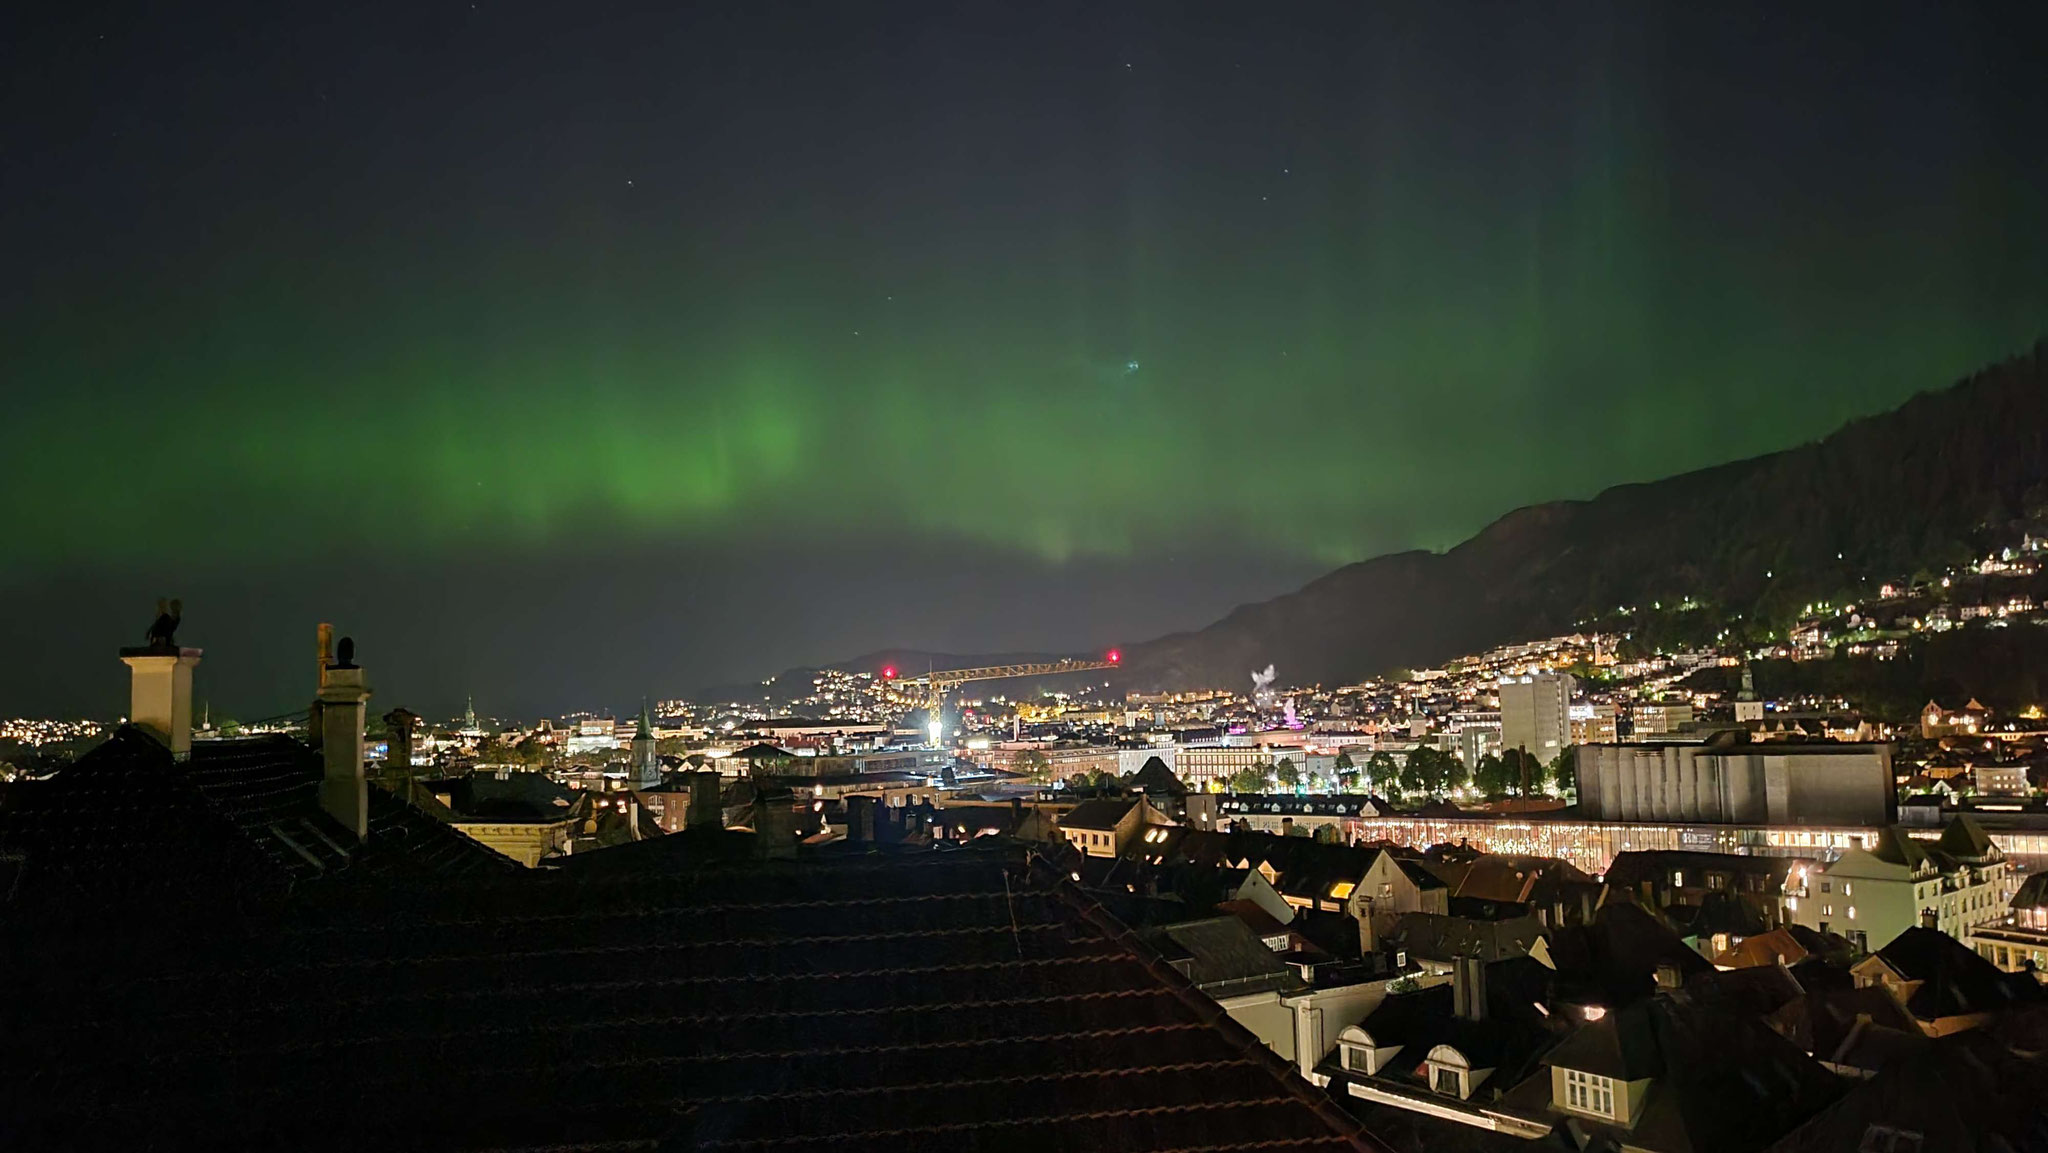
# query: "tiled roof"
[[1975, 1092], [1954, 980], [1101, 814], [1440, 937], [238, 819], [1620, 951], [1222, 955], [1505, 1040], [960, 1001], [1721, 1080]]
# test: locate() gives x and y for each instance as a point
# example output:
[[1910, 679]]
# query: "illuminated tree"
[[1564, 772], [1453, 769], [1346, 772], [1380, 772], [1285, 773], [1521, 770], [1248, 780], [1490, 776]]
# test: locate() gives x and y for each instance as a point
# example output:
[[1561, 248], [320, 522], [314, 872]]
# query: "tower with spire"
[[1747, 707], [646, 766]]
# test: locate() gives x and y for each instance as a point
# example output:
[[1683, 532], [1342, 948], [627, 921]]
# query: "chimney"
[[775, 824], [324, 641], [1468, 988], [344, 792], [160, 693], [398, 747], [860, 819], [704, 811]]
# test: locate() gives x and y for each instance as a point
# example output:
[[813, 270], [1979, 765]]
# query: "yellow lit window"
[[1341, 889]]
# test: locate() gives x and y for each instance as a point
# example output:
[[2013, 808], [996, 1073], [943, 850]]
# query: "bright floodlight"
[[938, 729]]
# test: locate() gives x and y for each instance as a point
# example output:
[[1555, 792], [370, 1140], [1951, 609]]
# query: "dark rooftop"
[[1101, 814], [239, 819], [960, 1001]]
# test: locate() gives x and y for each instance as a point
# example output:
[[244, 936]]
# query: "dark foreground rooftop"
[[960, 1001]]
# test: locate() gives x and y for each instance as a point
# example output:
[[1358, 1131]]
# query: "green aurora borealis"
[[1374, 302]]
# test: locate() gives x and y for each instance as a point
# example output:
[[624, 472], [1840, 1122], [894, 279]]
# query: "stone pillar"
[[344, 791], [160, 694]]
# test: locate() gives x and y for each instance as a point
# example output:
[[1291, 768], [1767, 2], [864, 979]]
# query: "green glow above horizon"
[[969, 416], [1381, 346]]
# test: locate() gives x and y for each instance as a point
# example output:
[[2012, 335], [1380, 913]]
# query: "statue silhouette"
[[163, 632]]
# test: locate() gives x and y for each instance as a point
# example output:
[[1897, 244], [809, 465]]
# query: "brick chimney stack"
[[344, 791]]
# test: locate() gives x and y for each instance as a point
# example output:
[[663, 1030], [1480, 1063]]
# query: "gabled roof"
[[1221, 952], [1894, 847], [874, 1004], [2033, 892], [1155, 779], [1420, 873], [1100, 815], [1777, 947], [1954, 980], [1966, 840]]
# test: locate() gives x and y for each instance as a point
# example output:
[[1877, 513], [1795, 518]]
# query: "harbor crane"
[[942, 681]]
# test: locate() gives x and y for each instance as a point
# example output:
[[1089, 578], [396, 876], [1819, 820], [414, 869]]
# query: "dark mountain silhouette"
[[1915, 488]]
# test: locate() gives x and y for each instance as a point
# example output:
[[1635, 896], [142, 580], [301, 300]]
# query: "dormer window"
[[1589, 1093], [1449, 1072], [1360, 1054]]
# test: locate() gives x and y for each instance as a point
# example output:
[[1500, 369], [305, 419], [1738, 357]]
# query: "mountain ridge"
[[1883, 494]]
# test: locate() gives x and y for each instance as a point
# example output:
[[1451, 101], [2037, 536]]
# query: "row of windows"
[[1589, 1093]]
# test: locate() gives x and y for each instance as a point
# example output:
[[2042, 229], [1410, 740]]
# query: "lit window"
[[1589, 1093], [1341, 889]]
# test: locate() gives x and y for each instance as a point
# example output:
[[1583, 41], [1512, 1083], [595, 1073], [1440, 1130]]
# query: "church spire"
[[646, 764]]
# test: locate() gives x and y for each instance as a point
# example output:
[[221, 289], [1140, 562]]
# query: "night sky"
[[563, 353]]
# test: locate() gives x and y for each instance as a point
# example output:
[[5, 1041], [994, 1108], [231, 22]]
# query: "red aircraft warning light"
[[889, 673], [1115, 656]]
